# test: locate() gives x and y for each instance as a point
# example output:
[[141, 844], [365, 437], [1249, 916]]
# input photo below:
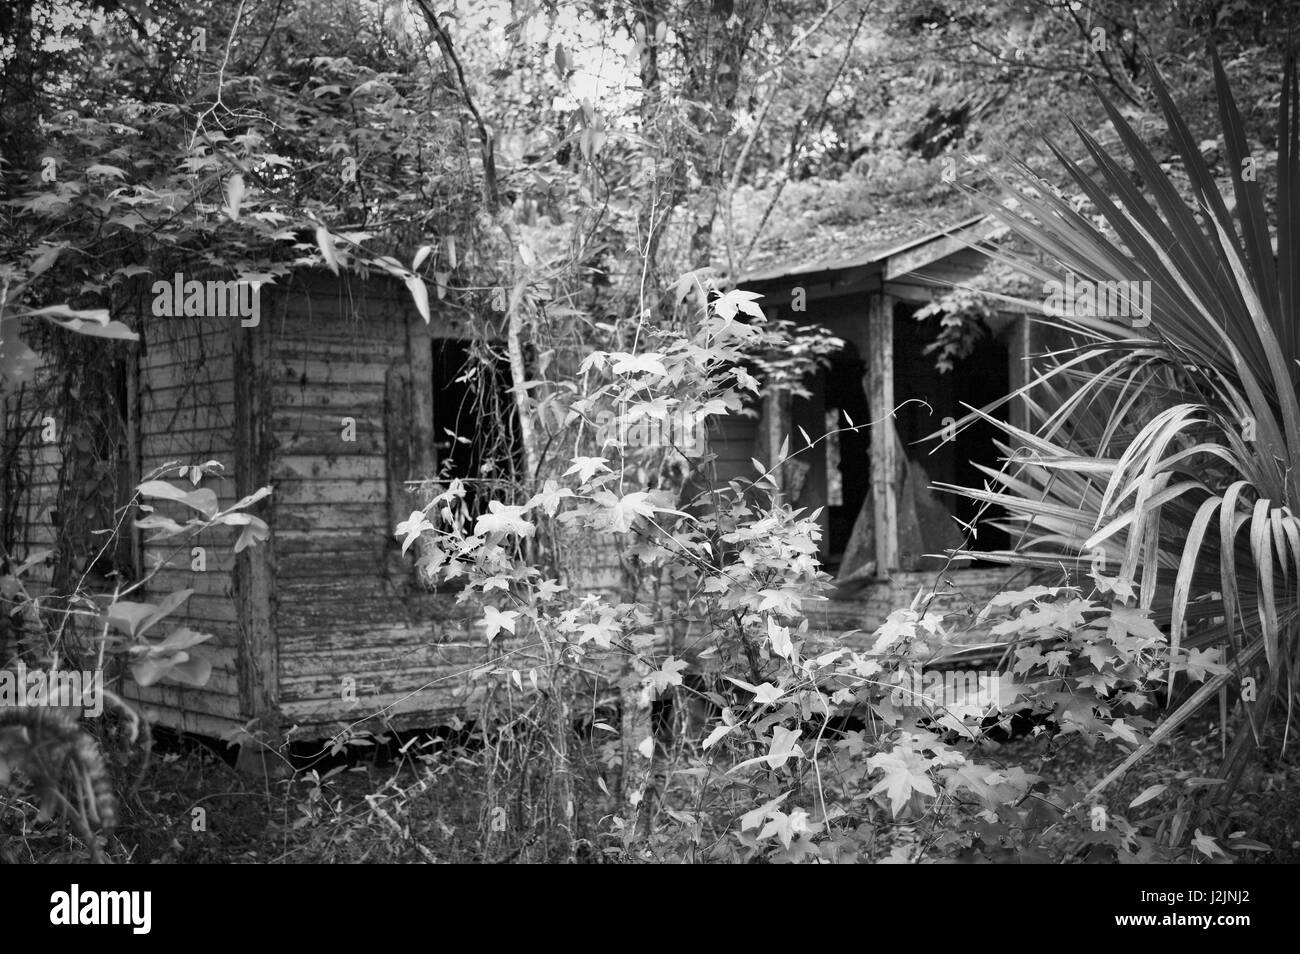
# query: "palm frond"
[[1165, 446]]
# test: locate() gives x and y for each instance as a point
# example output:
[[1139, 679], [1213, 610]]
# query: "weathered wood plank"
[[374, 689], [197, 723], [193, 394], [345, 566], [349, 606], [314, 467], [171, 704], [259, 673], [344, 516], [327, 444], [212, 583], [307, 492], [309, 539], [389, 648], [345, 369], [880, 398], [289, 421], [354, 400], [168, 424], [420, 708]]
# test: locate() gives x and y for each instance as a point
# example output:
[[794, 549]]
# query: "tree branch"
[[490, 191]]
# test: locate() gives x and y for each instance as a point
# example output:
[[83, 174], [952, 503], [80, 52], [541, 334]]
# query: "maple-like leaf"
[[1132, 621], [494, 621], [786, 827], [1098, 654], [1016, 597], [898, 625], [655, 410], [905, 773], [623, 511], [586, 467], [504, 519], [602, 632], [548, 588], [1203, 662], [786, 600], [1066, 616], [651, 362], [411, 528], [726, 306], [1057, 659], [666, 676], [1027, 657], [594, 359], [754, 818], [1122, 730], [549, 497], [1120, 586]]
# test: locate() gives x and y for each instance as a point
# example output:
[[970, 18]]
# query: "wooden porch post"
[[1022, 350], [884, 444], [776, 427]]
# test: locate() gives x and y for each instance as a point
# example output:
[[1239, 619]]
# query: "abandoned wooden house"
[[330, 399], [341, 394], [881, 521]]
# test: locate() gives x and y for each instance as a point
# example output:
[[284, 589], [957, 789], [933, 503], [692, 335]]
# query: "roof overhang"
[[890, 263]]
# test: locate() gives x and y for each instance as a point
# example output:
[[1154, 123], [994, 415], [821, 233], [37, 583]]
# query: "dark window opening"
[[980, 378], [848, 453], [475, 429]]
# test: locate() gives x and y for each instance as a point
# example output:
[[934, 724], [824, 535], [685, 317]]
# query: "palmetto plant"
[[1164, 457]]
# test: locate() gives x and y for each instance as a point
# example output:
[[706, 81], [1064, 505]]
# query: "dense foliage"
[[584, 183]]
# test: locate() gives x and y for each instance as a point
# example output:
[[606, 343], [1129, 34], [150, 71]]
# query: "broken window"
[[475, 427]]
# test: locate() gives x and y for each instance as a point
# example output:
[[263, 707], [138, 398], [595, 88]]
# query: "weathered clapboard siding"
[[346, 516], [416, 686], [186, 415], [345, 614], [422, 704]]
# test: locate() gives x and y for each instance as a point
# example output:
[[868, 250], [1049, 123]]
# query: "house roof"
[[829, 224], [881, 252]]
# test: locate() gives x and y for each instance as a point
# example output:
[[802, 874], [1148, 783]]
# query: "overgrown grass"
[[427, 805]]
